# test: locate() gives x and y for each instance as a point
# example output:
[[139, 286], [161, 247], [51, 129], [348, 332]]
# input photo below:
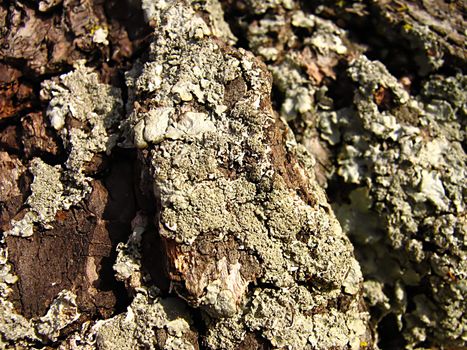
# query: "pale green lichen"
[[90, 111], [47, 197], [93, 106], [85, 112], [302, 52], [406, 158], [62, 312], [127, 266], [286, 317], [409, 158], [150, 321], [298, 64], [213, 171], [141, 324], [14, 328]]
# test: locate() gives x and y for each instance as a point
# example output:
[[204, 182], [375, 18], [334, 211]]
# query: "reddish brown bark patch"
[[49, 43], [78, 253], [286, 164], [193, 268], [37, 137], [14, 183], [10, 139], [69, 256], [15, 95]]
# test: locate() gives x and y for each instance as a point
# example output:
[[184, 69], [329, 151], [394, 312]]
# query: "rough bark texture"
[[168, 188], [48, 36]]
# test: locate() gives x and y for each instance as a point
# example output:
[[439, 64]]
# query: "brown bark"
[[77, 254]]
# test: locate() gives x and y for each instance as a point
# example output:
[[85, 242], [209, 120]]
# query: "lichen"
[[62, 312], [400, 155], [407, 198], [220, 180], [405, 154], [85, 112], [286, 317], [259, 7], [21, 331], [249, 236], [46, 199], [13, 327], [303, 52], [144, 321], [127, 266]]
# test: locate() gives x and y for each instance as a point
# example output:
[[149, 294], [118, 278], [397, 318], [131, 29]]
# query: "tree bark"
[[232, 174]]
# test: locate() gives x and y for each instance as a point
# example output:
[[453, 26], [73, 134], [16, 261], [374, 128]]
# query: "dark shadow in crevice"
[[236, 16], [390, 336], [119, 211], [154, 257], [154, 260], [341, 90], [368, 29], [199, 323]]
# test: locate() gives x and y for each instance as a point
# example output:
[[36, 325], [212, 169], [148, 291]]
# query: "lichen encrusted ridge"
[[246, 226]]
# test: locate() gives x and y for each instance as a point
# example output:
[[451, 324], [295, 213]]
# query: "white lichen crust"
[[303, 53], [62, 312], [247, 228]]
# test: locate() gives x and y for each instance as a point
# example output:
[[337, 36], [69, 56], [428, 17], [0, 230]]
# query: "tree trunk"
[[232, 174]]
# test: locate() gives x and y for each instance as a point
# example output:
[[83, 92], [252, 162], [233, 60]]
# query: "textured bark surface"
[[78, 252], [15, 95], [170, 170], [48, 39]]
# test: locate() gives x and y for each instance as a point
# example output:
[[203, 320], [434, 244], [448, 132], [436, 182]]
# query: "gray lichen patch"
[[243, 230], [150, 322], [288, 318], [405, 153], [86, 114], [47, 197], [303, 52], [238, 209], [128, 266], [14, 327], [90, 111]]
